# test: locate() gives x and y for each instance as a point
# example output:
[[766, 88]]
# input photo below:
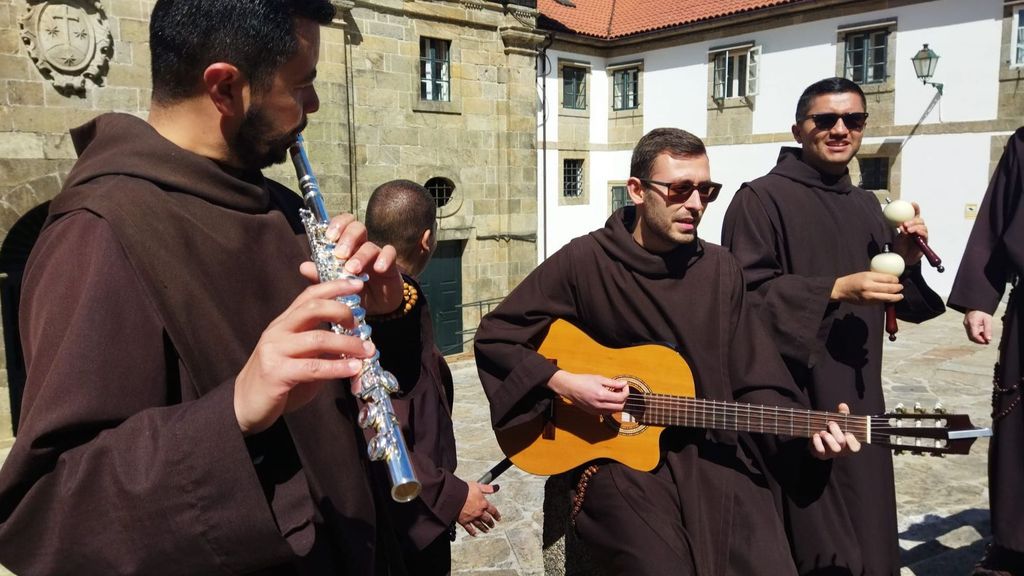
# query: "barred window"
[[572, 178], [866, 56], [435, 78], [874, 173], [626, 89], [441, 190]]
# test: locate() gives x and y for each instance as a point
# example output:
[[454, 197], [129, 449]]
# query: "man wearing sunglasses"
[[647, 277], [805, 235]]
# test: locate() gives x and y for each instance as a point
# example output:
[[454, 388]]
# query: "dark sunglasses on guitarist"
[[852, 120]]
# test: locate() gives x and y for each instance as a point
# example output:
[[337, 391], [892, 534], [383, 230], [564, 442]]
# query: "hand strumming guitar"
[[592, 393]]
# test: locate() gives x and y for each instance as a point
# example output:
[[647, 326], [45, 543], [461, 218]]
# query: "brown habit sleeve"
[[112, 471]]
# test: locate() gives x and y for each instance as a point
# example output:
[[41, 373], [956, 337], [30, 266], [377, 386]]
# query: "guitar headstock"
[[920, 432]]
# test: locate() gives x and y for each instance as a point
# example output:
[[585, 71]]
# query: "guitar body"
[[568, 437]]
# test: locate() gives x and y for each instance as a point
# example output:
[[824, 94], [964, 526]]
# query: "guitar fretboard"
[[666, 410]]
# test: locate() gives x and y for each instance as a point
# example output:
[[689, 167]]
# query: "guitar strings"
[[768, 415], [771, 418]]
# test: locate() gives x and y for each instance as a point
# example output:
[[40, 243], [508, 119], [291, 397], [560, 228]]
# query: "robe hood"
[[792, 166], [616, 239], [121, 144]]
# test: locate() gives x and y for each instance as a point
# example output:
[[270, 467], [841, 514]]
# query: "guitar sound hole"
[[628, 422]]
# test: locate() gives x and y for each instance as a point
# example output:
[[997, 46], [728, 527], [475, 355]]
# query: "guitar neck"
[[666, 410]]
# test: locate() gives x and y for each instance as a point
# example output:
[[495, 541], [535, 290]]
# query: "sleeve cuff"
[[219, 483], [524, 388]]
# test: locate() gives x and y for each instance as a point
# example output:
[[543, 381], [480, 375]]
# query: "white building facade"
[[735, 80]]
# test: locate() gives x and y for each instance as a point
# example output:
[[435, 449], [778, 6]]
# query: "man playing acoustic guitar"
[[646, 277]]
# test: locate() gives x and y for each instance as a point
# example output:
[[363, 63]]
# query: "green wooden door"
[[442, 283]]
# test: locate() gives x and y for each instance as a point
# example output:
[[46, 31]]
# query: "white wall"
[[732, 166], [967, 37], [943, 173], [675, 89], [599, 104], [792, 58], [567, 222]]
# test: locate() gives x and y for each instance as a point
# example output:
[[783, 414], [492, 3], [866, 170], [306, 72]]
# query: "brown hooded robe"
[[144, 297], [794, 232], [424, 407], [706, 509], [995, 256]]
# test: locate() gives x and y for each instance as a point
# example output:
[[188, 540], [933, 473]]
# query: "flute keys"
[[370, 415], [379, 447]]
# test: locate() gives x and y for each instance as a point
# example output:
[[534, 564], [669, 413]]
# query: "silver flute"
[[375, 384]]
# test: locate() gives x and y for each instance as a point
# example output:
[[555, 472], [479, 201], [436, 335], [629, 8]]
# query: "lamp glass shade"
[[925, 62]]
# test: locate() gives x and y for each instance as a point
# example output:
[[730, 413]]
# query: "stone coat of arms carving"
[[69, 42]]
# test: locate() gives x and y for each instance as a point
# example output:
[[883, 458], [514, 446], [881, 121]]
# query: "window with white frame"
[[572, 178], [626, 88], [867, 54], [735, 71], [574, 87], [435, 65], [1017, 58]]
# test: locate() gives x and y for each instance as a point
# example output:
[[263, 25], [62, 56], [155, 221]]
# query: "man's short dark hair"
[[257, 36], [398, 212], [834, 85], [673, 141]]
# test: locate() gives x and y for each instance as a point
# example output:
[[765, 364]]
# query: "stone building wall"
[[482, 140], [368, 128]]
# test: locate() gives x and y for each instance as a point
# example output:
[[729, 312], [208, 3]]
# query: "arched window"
[[441, 189]]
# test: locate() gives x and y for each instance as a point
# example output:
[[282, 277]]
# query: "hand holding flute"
[[372, 384]]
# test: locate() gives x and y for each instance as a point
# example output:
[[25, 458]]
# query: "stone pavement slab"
[[943, 502]]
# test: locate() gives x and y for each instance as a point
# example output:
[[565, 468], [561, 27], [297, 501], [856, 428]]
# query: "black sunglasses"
[[852, 120], [680, 191]]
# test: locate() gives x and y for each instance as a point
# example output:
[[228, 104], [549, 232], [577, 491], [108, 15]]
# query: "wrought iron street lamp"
[[925, 62]]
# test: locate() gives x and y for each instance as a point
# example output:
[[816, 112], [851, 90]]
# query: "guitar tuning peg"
[[900, 408], [939, 408], [918, 409]]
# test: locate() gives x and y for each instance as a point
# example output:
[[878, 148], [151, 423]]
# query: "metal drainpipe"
[[543, 61]]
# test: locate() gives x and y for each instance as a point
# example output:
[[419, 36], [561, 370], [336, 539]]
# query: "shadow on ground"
[[945, 545]]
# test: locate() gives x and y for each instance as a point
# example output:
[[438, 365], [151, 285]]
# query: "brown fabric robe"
[[705, 510], [424, 407], [995, 256], [794, 232], [144, 297]]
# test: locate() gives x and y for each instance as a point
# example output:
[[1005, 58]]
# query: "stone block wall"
[[482, 139]]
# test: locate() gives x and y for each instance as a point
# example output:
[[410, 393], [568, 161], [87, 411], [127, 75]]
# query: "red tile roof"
[[617, 18]]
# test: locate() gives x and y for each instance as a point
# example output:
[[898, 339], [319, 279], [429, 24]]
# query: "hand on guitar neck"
[[833, 442]]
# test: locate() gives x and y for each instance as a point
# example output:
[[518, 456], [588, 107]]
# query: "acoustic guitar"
[[566, 436]]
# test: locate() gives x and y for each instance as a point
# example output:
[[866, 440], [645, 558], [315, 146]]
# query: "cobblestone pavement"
[[943, 502]]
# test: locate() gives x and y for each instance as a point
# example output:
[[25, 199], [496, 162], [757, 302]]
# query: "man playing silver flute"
[[182, 413]]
